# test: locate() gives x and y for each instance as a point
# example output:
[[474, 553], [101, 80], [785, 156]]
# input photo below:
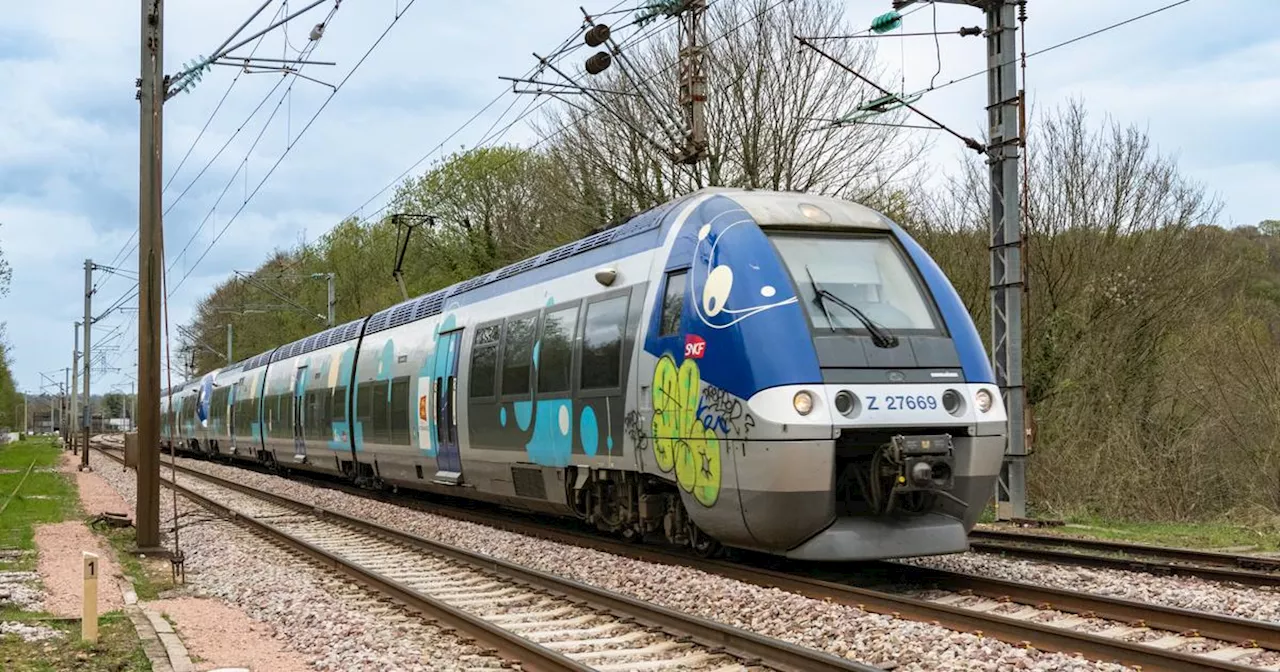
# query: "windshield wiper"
[[879, 335]]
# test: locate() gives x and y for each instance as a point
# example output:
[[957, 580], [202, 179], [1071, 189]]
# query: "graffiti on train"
[[681, 442], [724, 413]]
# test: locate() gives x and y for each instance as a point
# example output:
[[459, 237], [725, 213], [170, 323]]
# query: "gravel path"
[[837, 629], [222, 636], [326, 620], [61, 568], [1188, 592]]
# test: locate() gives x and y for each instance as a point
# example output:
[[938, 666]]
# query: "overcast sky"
[[1203, 79]]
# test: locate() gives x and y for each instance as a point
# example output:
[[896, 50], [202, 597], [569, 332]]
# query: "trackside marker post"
[[89, 606]]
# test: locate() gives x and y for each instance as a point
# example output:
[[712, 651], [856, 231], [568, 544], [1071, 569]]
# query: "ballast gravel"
[[30, 633], [837, 629], [21, 590], [328, 620], [1260, 603]]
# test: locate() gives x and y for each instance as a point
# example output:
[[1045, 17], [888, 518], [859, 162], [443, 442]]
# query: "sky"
[[1202, 79]]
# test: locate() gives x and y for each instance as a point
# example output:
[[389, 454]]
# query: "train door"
[[445, 394], [299, 414], [231, 413]]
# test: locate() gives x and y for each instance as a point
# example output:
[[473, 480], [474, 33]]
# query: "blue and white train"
[[773, 371]]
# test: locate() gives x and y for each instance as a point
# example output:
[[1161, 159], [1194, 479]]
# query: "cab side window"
[[673, 302]]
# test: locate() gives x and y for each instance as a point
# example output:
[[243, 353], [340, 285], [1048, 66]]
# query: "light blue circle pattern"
[[589, 431]]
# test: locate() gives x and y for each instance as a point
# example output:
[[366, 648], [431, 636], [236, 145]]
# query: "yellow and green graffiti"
[[680, 440]]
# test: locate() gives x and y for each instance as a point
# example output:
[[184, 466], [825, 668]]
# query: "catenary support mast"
[[1004, 142], [152, 87]]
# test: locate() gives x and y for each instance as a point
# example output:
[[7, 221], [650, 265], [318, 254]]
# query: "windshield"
[[868, 272]]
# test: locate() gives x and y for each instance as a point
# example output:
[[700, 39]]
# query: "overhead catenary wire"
[[565, 127], [291, 145], [563, 49], [309, 48], [1024, 56], [1059, 45], [129, 244]]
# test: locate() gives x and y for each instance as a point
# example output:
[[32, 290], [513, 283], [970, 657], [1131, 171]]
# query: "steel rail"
[[1009, 630], [1126, 563], [1246, 632], [529, 654], [755, 648], [1216, 558]]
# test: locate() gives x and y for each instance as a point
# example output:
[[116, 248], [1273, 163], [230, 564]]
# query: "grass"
[[40, 497], [117, 649], [1251, 531], [1206, 535], [150, 577], [44, 497]]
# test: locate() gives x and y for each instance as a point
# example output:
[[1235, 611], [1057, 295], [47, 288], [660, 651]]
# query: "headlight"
[[984, 400], [844, 402], [803, 402], [952, 402]]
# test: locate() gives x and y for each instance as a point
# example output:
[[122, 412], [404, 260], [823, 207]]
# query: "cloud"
[[1200, 79]]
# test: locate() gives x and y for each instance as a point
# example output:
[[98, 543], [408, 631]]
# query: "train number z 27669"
[[903, 402]]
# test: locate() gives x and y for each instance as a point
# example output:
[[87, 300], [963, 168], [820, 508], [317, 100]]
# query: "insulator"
[[597, 35], [970, 31], [886, 22], [599, 62]]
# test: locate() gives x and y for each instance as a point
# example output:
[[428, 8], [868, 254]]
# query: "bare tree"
[[769, 114]]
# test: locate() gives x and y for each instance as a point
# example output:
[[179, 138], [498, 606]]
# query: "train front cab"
[[792, 426]]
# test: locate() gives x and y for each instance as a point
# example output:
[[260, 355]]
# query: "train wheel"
[[702, 544]]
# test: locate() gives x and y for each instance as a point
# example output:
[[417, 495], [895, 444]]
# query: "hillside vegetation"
[[1151, 330], [10, 399]]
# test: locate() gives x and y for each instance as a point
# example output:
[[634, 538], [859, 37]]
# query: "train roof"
[[768, 208]]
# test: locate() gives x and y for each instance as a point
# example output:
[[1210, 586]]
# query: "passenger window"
[[484, 362], [517, 356], [399, 430], [673, 302], [602, 344], [555, 355]]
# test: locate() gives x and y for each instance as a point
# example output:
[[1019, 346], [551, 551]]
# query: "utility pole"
[[75, 386], [229, 360], [152, 88], [693, 82], [88, 362], [64, 403], [333, 305]]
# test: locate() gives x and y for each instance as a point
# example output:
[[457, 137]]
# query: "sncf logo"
[[694, 346]]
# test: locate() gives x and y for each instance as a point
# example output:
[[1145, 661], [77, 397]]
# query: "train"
[[773, 371]]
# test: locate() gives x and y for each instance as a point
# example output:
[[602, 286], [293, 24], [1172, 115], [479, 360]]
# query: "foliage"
[[6, 273], [1144, 320], [9, 397], [113, 405]]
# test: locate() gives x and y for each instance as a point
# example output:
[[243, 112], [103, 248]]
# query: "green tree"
[[6, 272], [9, 396], [113, 404]]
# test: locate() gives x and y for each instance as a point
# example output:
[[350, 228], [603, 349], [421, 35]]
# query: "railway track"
[[1138, 634], [1164, 560], [545, 622]]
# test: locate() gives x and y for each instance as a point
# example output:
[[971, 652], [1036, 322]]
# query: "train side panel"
[[244, 413], [306, 403], [220, 407]]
